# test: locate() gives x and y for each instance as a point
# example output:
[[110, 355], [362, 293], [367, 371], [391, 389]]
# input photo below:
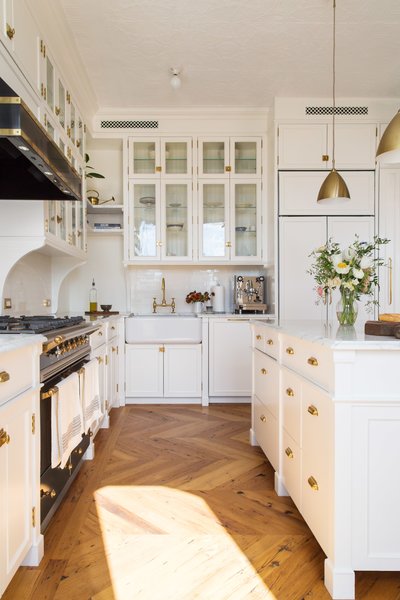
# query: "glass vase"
[[197, 307], [346, 308]]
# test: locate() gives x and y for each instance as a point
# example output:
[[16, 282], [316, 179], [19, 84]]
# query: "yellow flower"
[[342, 268]]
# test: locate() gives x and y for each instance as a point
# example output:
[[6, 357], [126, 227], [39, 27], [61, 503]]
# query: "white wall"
[[28, 284]]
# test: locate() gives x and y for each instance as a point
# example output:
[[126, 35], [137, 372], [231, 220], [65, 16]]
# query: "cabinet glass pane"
[[50, 129], [49, 83], [62, 146], [144, 220], [73, 123], [246, 219], [144, 158], [176, 158], [74, 221], [62, 220], [214, 229], [61, 104], [176, 219], [213, 157], [52, 212], [246, 158]]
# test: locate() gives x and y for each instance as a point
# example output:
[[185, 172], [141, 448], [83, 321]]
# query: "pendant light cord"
[[333, 84]]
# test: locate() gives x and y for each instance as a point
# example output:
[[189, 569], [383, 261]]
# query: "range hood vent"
[[32, 166]]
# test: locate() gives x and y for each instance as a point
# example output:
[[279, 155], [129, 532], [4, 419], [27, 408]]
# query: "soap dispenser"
[[93, 298]]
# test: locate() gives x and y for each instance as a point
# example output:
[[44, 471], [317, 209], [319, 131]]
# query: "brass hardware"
[[59, 219], [99, 333], [33, 424], [79, 233], [68, 131], [312, 482], [313, 410], [45, 93], [78, 143], [10, 100], [33, 517], [69, 152], [289, 452], [10, 31], [113, 327], [325, 157], [263, 371], [258, 337], [68, 98], [312, 361], [106, 359], [113, 349], [158, 169], [289, 350], [45, 119], [47, 493], [99, 359], [390, 267], [41, 46], [42, 89], [228, 244], [46, 225], [270, 342], [90, 433], [290, 392], [163, 301], [49, 393], [161, 349], [57, 110], [4, 376], [263, 418], [78, 451], [228, 169], [4, 438]]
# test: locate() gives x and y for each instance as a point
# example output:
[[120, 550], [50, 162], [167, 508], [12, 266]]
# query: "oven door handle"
[[49, 393], [53, 343]]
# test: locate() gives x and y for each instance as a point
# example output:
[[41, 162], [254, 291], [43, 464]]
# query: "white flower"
[[342, 268], [336, 258], [349, 253], [355, 282], [320, 249], [366, 262], [348, 286], [358, 273]]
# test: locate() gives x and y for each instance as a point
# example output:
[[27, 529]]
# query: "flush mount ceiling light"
[[175, 80], [389, 146], [334, 186]]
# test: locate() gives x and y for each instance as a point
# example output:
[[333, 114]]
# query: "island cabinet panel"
[[334, 441]]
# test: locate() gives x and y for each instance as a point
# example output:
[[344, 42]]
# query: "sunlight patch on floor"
[[167, 544]]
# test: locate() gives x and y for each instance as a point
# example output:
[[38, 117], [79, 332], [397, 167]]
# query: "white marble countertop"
[[14, 341], [332, 335]]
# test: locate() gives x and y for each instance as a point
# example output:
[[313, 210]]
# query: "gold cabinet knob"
[[158, 169], [112, 327], [113, 349], [228, 169], [312, 482], [161, 349], [270, 342], [289, 452], [57, 110], [258, 337], [264, 371], [263, 418], [313, 410], [10, 31], [99, 359], [289, 392], [47, 493], [4, 437], [99, 333], [4, 376], [289, 350], [312, 361], [59, 219], [325, 157], [228, 244]]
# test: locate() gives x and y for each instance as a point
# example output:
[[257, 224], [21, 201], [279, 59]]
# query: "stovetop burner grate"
[[36, 323]]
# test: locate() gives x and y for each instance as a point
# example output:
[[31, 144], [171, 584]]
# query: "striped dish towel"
[[67, 420], [90, 394]]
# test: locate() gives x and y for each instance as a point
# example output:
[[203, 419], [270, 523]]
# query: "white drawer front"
[[291, 468], [99, 336], [266, 378], [111, 330], [311, 360], [16, 372], [266, 340], [266, 431], [291, 394]]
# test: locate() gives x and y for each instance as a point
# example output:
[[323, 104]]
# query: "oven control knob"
[[48, 493]]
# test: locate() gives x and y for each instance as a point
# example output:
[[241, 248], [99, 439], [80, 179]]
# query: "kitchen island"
[[326, 411]]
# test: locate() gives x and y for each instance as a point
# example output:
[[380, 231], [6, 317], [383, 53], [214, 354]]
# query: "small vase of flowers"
[[352, 270], [197, 299]]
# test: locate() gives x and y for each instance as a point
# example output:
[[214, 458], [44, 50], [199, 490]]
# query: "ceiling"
[[234, 53]]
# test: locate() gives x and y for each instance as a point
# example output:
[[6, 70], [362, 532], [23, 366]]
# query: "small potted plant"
[[197, 299]]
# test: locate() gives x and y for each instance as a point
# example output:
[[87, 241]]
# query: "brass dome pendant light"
[[389, 147], [334, 186]]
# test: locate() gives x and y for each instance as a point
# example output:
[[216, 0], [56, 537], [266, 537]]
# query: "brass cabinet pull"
[[49, 393], [47, 493], [258, 337], [4, 437], [312, 361], [289, 350], [161, 349], [59, 219], [228, 244], [263, 371], [228, 169], [78, 143], [113, 349], [112, 327], [263, 418], [325, 157], [312, 482], [158, 169], [4, 376], [57, 110], [270, 342], [390, 267], [313, 410], [10, 31], [99, 359], [289, 452], [290, 392]]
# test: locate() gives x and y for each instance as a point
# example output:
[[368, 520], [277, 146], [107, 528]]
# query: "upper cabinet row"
[[309, 146]]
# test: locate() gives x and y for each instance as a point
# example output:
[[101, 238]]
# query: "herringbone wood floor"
[[178, 506]]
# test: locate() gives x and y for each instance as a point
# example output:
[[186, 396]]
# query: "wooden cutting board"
[[392, 317], [390, 328]]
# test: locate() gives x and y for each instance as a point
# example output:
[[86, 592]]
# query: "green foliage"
[[91, 174]]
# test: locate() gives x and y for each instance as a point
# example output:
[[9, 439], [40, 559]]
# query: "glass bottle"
[[93, 298]]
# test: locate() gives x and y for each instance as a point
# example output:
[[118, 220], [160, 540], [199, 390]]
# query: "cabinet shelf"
[[115, 231], [104, 208]]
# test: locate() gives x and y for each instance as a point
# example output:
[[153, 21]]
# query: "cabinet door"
[[302, 146], [176, 220], [16, 467], [245, 157], [298, 192], [144, 219], [214, 220], [245, 219], [100, 353], [389, 227], [176, 157], [213, 157], [144, 370], [266, 381], [182, 371], [144, 158], [355, 145], [298, 236], [230, 358]]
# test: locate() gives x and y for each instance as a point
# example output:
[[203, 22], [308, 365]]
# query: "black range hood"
[[32, 166]]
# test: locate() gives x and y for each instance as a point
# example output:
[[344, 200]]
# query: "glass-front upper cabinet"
[[227, 157], [160, 157], [176, 221], [144, 220], [214, 239], [56, 219], [245, 218]]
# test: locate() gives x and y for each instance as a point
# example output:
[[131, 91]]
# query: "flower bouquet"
[[197, 297], [352, 270]]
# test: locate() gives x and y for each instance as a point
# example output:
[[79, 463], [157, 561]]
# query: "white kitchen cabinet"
[[309, 145], [298, 192], [229, 157], [112, 362], [64, 221], [163, 371], [298, 237], [230, 220], [230, 357], [99, 351], [160, 158], [389, 227]]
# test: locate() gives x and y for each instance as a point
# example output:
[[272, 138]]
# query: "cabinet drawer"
[[309, 359], [112, 330], [291, 467], [16, 372], [291, 394], [265, 339], [266, 431], [99, 336], [266, 381]]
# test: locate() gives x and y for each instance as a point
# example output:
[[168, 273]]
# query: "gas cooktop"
[[36, 324]]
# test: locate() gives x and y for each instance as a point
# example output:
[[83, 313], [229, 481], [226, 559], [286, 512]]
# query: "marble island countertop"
[[13, 341]]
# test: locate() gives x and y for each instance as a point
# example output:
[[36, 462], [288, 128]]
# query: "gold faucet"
[[163, 301]]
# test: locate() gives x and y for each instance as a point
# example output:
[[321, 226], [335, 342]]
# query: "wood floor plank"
[[178, 506]]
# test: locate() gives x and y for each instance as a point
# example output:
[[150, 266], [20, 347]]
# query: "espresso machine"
[[249, 294]]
